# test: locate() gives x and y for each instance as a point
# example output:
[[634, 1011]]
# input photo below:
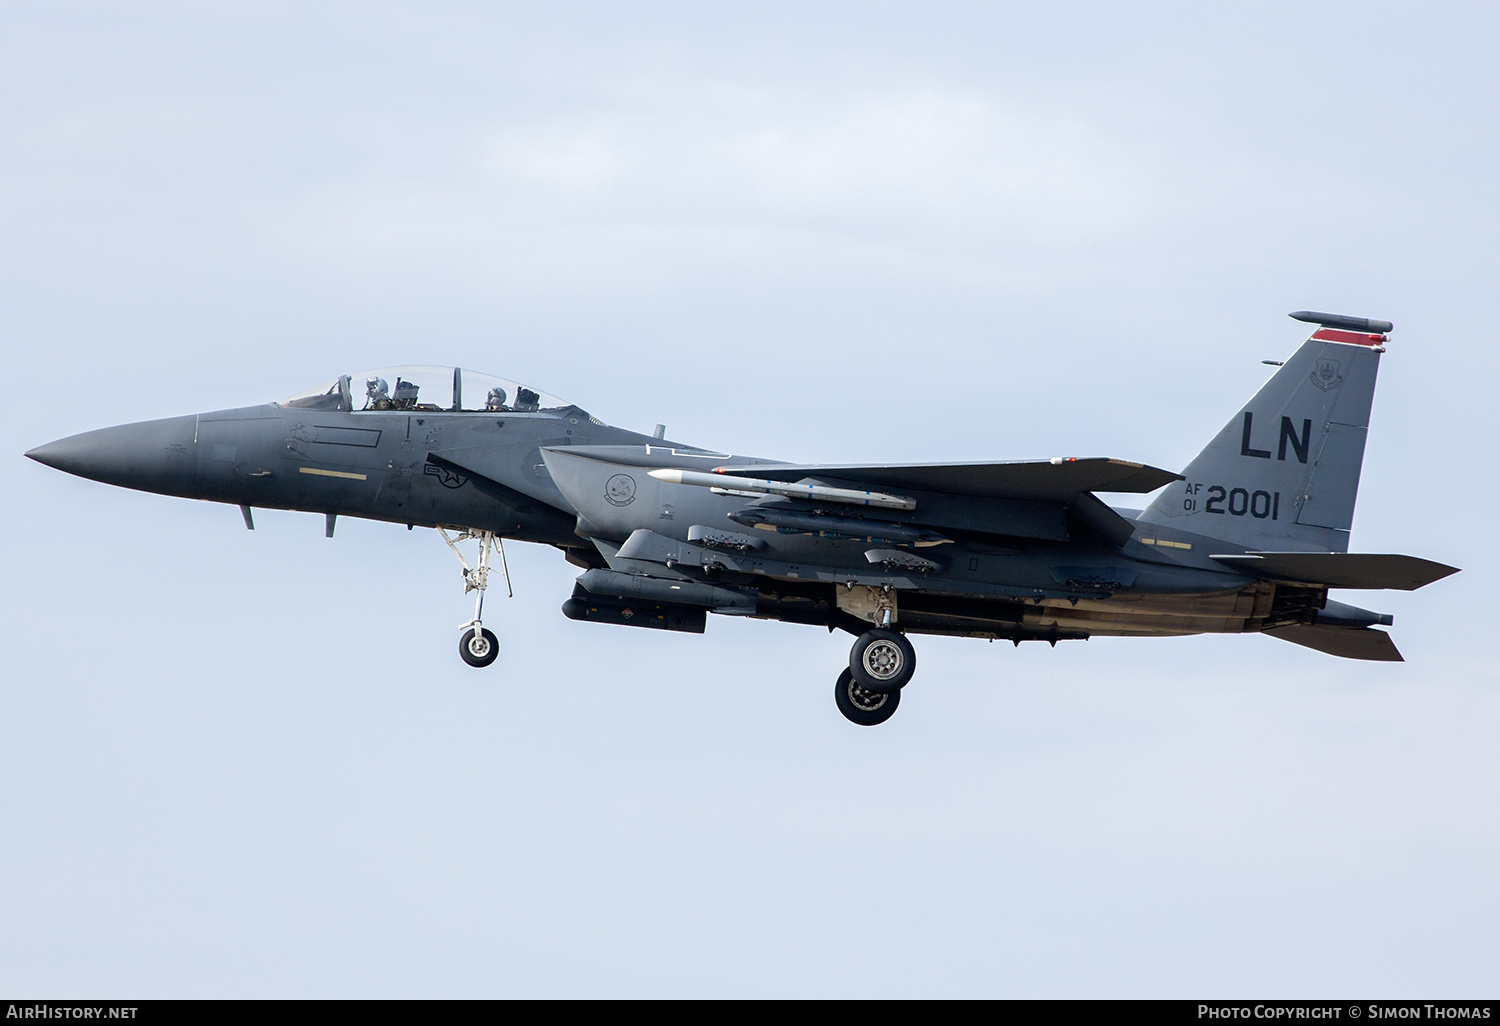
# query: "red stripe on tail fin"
[[1354, 338]]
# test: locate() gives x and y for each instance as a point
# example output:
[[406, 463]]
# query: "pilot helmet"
[[496, 398], [376, 388]]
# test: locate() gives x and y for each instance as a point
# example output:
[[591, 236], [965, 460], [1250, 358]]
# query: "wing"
[[1032, 498], [1055, 480]]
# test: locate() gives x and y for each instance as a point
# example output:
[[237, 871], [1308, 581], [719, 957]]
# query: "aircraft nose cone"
[[154, 456], [53, 454]]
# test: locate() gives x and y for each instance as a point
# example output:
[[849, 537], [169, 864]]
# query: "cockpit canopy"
[[432, 389]]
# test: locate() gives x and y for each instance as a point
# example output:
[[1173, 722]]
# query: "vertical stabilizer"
[[1284, 472]]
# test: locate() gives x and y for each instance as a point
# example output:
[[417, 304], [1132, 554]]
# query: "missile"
[[725, 484], [791, 522]]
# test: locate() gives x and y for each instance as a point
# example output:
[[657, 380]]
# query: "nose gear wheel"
[[479, 647]]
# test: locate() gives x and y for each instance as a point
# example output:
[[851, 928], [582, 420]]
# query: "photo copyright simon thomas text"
[[1392, 1010]]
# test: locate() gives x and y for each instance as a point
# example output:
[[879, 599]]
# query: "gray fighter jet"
[[1250, 538]]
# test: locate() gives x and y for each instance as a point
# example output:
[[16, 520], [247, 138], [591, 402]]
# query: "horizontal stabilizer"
[[1364, 570], [1057, 480], [1365, 643]]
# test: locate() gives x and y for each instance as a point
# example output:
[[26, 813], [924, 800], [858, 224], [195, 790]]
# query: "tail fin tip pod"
[[1284, 472], [1326, 320]]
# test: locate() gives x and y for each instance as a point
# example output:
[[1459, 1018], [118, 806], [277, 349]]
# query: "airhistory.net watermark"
[[45, 1010]]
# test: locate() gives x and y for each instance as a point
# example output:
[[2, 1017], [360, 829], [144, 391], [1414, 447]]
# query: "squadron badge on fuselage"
[[620, 490]]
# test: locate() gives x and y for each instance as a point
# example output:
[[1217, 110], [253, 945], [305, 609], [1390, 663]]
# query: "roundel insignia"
[[620, 490], [449, 477]]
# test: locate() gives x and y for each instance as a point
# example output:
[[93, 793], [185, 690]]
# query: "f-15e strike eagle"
[[1249, 538]]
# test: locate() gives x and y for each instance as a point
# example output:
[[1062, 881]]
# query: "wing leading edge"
[[1055, 480]]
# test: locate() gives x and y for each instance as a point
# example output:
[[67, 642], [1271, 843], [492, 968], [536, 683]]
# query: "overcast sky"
[[251, 764]]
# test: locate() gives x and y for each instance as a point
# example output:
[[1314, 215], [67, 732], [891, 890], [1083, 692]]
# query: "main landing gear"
[[881, 663], [863, 707], [477, 645]]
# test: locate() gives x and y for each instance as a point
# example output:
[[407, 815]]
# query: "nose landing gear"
[[478, 645]]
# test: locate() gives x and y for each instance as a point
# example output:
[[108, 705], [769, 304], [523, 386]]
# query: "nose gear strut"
[[477, 645]]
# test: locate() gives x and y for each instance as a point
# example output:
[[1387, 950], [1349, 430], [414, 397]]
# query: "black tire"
[[479, 651], [862, 706], [882, 661]]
